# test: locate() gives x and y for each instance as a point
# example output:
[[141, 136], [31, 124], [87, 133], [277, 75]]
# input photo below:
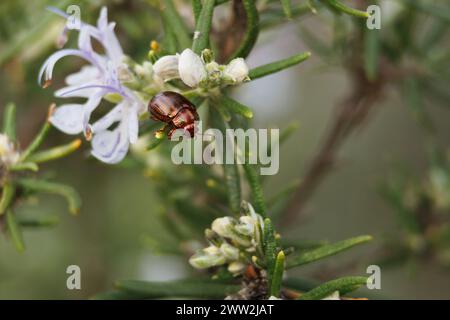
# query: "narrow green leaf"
[[347, 10], [37, 141], [169, 43], [224, 112], [203, 27], [276, 18], [14, 231], [55, 153], [8, 192], [252, 31], [371, 53], [325, 251], [24, 166], [301, 244], [237, 107], [287, 8], [9, 121], [176, 23], [69, 193], [343, 285], [38, 222], [230, 171], [233, 184], [270, 247], [277, 277], [276, 66], [255, 186], [189, 288]]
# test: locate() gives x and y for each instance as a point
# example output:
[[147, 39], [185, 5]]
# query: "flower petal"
[[68, 118], [86, 74], [167, 67], [191, 68], [237, 70], [90, 106], [49, 64], [107, 120], [111, 146], [133, 124], [83, 91]]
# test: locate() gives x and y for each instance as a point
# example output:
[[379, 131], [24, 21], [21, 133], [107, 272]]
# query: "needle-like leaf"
[[276, 66], [37, 141], [343, 285], [252, 31], [8, 192], [203, 27], [14, 231], [9, 121], [63, 190], [277, 276], [347, 10], [237, 107], [177, 24], [189, 288], [325, 251], [55, 153]]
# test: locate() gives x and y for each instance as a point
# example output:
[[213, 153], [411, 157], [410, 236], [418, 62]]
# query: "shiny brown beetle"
[[175, 110]]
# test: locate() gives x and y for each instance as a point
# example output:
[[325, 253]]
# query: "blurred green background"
[[120, 205]]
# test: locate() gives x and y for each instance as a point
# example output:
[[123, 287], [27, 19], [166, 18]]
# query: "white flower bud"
[[212, 250], [166, 67], [230, 252], [191, 68], [210, 257], [246, 225], [8, 154], [236, 267], [204, 261], [237, 70], [223, 226]]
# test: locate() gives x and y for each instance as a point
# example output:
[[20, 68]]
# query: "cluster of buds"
[[233, 242], [201, 71]]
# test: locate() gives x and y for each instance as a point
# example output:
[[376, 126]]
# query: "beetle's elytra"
[[175, 110]]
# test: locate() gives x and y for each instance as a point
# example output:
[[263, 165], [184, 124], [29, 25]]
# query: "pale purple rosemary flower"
[[94, 81]]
